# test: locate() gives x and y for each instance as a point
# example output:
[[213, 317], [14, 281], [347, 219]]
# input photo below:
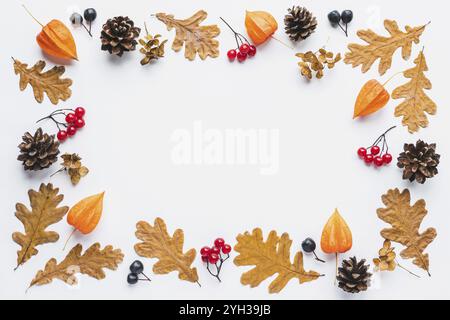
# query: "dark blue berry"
[[137, 267], [308, 245], [347, 16], [132, 278], [334, 17], [90, 14]]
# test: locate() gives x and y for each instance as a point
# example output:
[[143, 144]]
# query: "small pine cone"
[[39, 151], [353, 276], [419, 162], [119, 35], [299, 23]]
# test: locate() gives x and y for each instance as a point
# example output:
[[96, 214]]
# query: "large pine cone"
[[119, 35], [353, 276], [300, 23], [39, 151], [419, 161]]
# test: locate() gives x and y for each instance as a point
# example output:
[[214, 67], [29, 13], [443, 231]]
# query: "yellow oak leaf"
[[269, 258], [196, 38], [48, 82], [405, 221], [381, 47], [45, 211], [157, 243], [416, 103]]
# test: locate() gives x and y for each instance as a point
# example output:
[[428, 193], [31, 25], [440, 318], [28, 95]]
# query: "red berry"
[[226, 248], [213, 258], [205, 258], [378, 161], [214, 250], [232, 54], [79, 123], [219, 242], [205, 251], [71, 130], [375, 150], [244, 48], [368, 158], [387, 158], [252, 51], [80, 112], [71, 118], [62, 135], [241, 56], [362, 152]]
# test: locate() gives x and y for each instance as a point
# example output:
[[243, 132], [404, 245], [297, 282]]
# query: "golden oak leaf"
[[416, 101], [157, 243], [196, 38], [269, 258], [405, 221], [48, 82], [44, 212], [90, 263], [383, 48]]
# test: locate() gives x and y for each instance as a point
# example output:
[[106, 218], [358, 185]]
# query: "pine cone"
[[419, 161], [118, 35], [300, 23], [39, 151], [353, 276]]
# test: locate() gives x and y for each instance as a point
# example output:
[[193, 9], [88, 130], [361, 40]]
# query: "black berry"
[[132, 278], [90, 14], [334, 17], [308, 245], [347, 16], [137, 267]]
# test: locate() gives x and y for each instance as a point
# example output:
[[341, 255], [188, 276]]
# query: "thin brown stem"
[[70, 236], [28, 11], [283, 43], [410, 272]]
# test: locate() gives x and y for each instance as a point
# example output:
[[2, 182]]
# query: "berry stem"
[[146, 278], [317, 258], [237, 36]]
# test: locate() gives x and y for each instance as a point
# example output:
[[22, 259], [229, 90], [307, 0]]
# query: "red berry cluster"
[[376, 155], [243, 47], [216, 255], [74, 120]]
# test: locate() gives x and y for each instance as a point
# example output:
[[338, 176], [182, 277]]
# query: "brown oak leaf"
[[48, 82], [157, 243], [90, 263], [269, 258], [405, 221], [381, 47], [196, 38], [416, 103], [44, 212]]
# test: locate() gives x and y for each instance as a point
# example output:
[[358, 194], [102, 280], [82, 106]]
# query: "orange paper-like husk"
[[85, 215], [372, 97], [336, 235], [260, 26], [56, 40]]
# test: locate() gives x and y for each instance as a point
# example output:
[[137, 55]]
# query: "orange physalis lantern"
[[372, 97], [56, 40], [336, 235], [260, 26], [86, 214]]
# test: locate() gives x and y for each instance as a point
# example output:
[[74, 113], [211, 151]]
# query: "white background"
[[132, 112]]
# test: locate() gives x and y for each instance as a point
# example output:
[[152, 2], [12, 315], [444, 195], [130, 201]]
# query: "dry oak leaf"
[[157, 243], [196, 38], [48, 82], [416, 101], [91, 263], [44, 212], [405, 220], [383, 48], [269, 258]]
